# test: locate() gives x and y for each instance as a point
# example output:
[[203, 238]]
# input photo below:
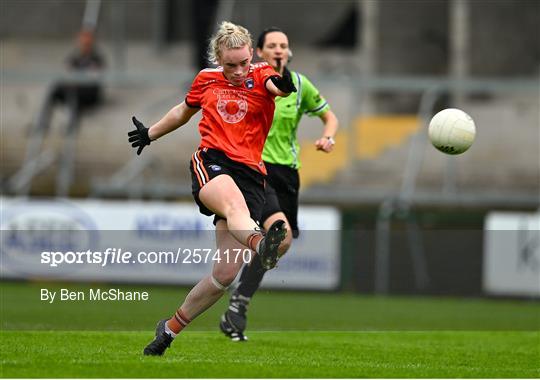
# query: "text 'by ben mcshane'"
[[92, 294]]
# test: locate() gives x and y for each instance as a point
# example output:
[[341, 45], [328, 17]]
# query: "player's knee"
[[225, 276], [225, 280], [218, 284]]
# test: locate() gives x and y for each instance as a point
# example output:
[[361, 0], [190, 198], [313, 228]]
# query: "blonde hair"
[[228, 36]]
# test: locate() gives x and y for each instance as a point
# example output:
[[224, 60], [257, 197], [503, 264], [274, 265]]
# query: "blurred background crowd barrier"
[[413, 220]]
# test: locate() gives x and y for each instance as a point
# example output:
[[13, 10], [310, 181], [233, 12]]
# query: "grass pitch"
[[291, 335]]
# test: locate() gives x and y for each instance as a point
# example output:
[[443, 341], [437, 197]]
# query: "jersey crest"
[[232, 105]]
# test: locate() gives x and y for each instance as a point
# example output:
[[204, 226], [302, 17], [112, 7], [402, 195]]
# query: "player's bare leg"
[[204, 294], [212, 287], [224, 198]]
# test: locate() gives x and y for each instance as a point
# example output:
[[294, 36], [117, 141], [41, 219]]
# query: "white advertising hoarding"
[[151, 242], [512, 254]]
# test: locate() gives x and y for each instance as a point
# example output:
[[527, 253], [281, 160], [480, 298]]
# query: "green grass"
[[269, 310], [292, 334], [274, 354]]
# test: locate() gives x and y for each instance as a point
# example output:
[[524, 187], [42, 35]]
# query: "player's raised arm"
[[175, 118], [281, 85]]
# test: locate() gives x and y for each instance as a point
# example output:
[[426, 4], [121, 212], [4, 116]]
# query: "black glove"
[[139, 137], [284, 83]]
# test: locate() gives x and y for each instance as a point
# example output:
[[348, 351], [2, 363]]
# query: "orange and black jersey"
[[235, 119]]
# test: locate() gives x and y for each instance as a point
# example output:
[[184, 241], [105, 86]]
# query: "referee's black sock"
[[251, 278]]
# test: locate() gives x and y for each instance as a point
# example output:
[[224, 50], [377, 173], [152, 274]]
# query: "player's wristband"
[[330, 140]]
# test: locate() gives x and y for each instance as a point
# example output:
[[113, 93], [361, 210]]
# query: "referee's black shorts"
[[281, 193], [207, 163]]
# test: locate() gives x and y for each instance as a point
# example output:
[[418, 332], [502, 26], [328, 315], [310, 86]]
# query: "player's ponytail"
[[228, 36]]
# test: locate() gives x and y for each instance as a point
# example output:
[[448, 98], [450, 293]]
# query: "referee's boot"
[[268, 249], [233, 321], [161, 341]]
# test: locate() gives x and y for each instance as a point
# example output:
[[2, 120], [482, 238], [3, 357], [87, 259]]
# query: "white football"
[[452, 131]]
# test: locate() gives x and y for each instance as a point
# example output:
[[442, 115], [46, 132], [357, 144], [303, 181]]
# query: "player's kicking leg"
[[201, 296], [211, 288]]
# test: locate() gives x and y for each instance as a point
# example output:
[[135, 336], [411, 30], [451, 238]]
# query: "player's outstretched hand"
[[284, 83], [326, 144], [139, 137], [286, 77]]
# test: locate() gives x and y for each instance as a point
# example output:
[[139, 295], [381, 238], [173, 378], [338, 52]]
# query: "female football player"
[[237, 99]]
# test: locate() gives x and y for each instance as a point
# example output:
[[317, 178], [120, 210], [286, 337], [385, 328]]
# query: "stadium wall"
[[467, 252], [413, 36]]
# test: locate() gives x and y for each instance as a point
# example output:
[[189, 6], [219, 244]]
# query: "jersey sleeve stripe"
[[318, 108]]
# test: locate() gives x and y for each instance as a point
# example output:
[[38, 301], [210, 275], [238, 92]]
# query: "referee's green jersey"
[[281, 145]]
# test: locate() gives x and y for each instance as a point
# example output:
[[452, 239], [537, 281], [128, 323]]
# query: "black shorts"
[[281, 192], [208, 163]]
